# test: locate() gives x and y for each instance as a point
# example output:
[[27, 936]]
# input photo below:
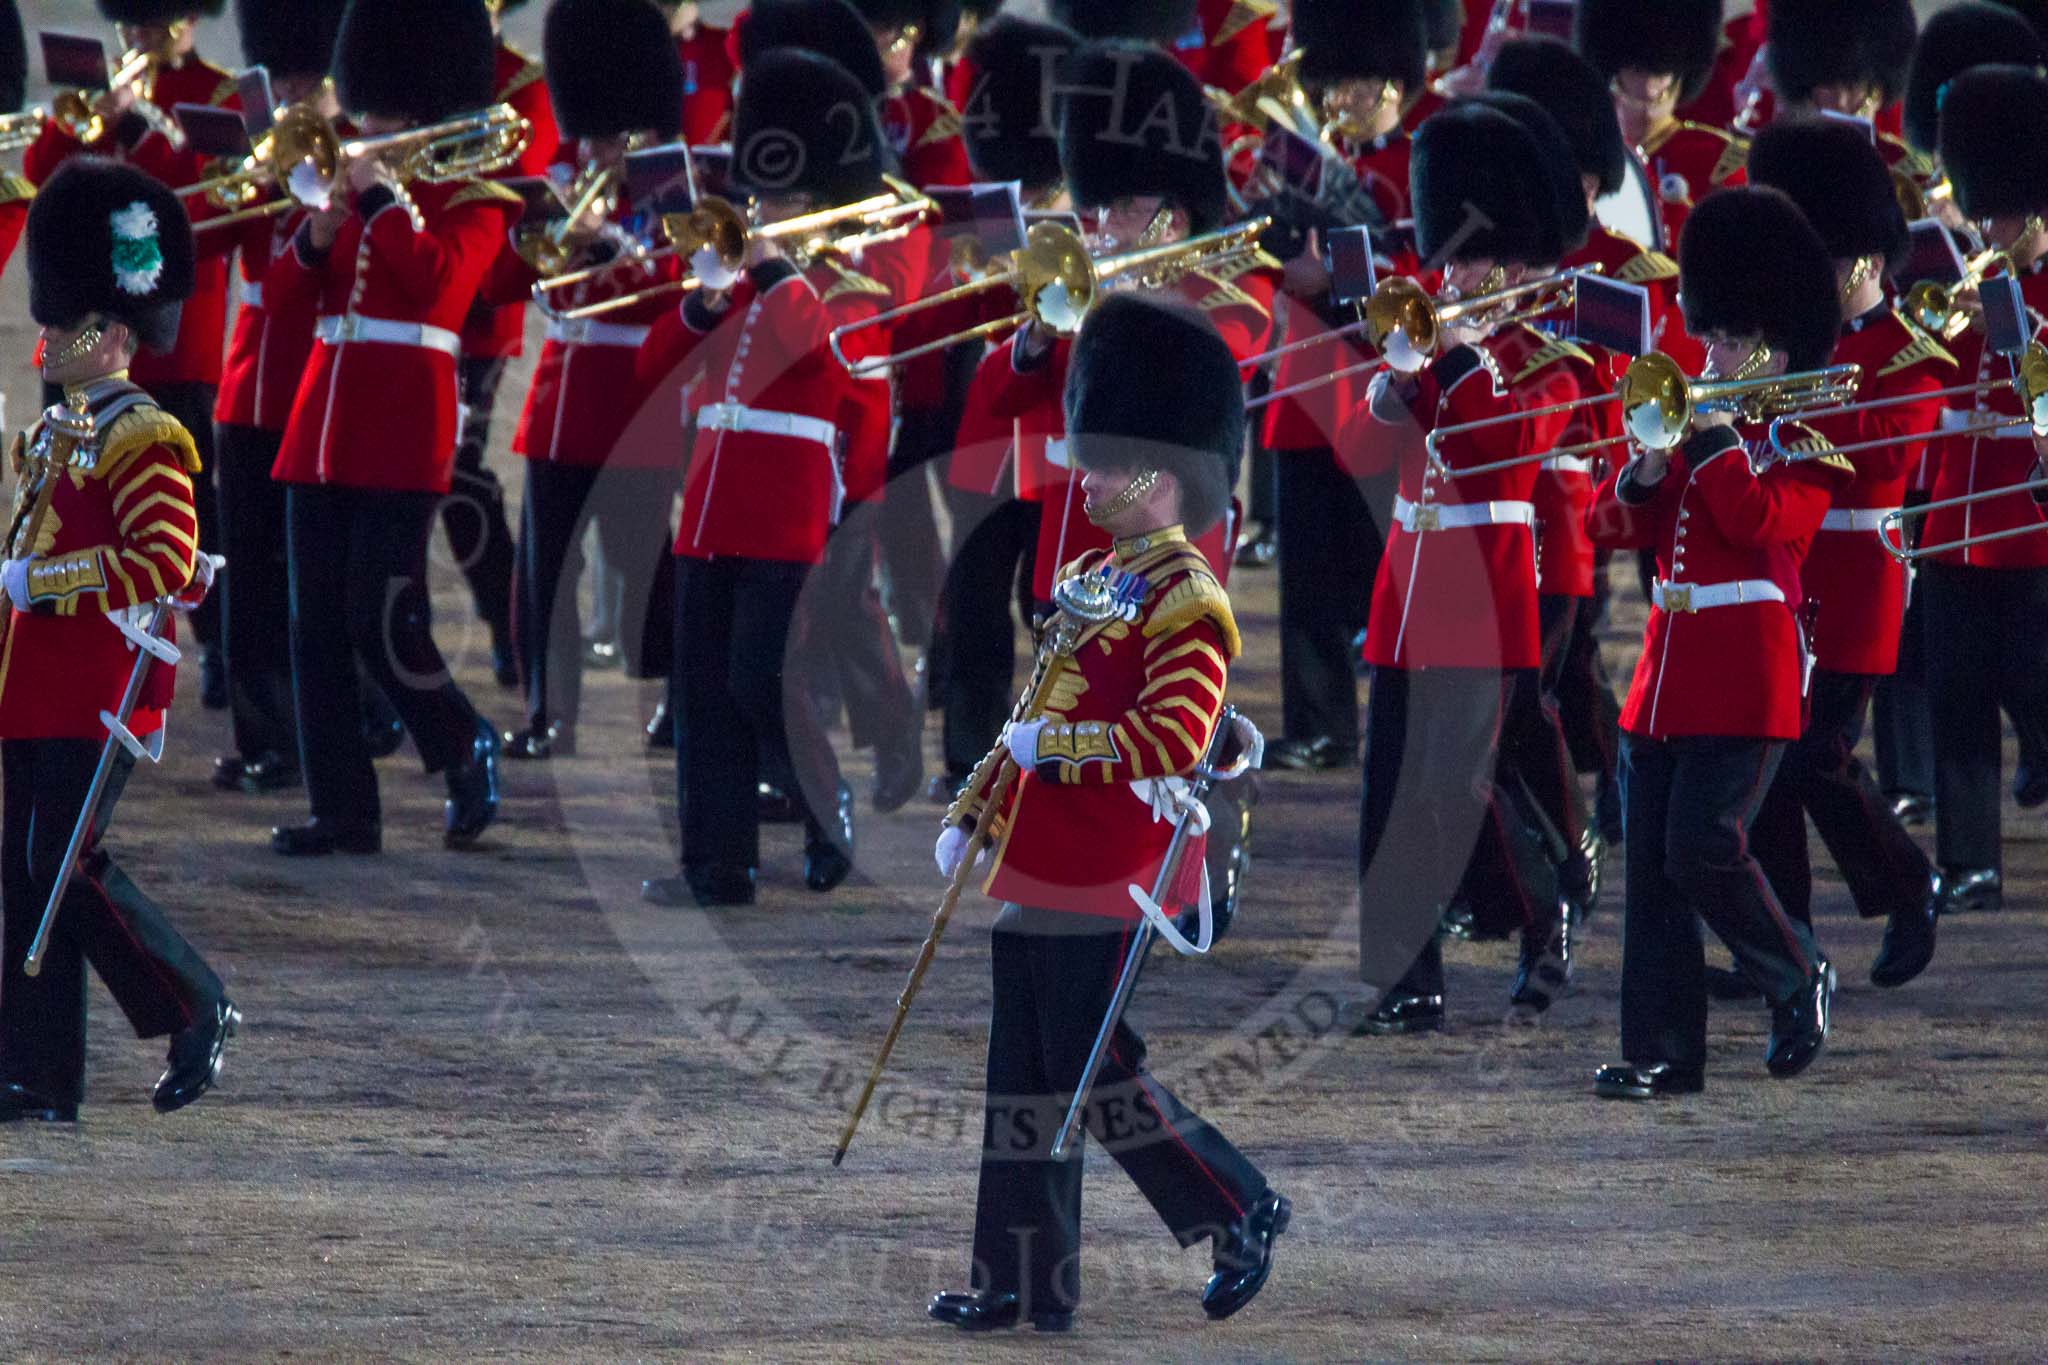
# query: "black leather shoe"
[[828, 849], [1579, 877], [1544, 969], [227, 772], [661, 728], [319, 837], [1961, 889], [1244, 1256], [943, 787], [1911, 810], [774, 806], [269, 772], [19, 1104], [1627, 1081], [383, 731], [980, 1311], [1400, 1012], [472, 791], [213, 679], [601, 655], [1320, 754], [1257, 550], [195, 1058], [1607, 813], [709, 886], [2029, 786], [1908, 944], [899, 772], [1728, 983], [1799, 1028], [538, 743]]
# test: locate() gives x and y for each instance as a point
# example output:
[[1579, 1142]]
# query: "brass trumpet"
[[1934, 306], [1058, 282], [136, 67]]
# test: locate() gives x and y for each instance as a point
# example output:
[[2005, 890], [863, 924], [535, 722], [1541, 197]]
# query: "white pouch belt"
[[1437, 516], [1570, 464], [736, 417], [1056, 453], [1673, 597], [336, 328], [250, 292], [592, 332], [1855, 518]]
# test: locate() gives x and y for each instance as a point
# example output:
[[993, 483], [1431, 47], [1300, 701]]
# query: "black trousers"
[[1437, 814], [913, 561], [192, 405], [1901, 713], [158, 979], [630, 508], [974, 659], [1053, 974], [1575, 680], [1689, 803], [359, 598], [727, 693], [473, 513], [255, 594], [1330, 544], [1987, 646], [1820, 776], [846, 636]]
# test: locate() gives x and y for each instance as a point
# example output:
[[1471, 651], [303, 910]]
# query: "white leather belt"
[[1056, 453], [1855, 518], [250, 292], [592, 332], [736, 417], [1954, 419], [1437, 516], [336, 328], [1700, 596], [1570, 464]]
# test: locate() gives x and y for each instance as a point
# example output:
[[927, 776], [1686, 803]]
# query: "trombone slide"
[[1907, 554]]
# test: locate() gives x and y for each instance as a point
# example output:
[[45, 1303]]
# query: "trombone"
[[1934, 306], [716, 224], [137, 67], [1658, 402], [2030, 382], [1057, 281], [20, 130], [1400, 305]]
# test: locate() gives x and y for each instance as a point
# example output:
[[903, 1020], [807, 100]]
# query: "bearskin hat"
[[938, 21], [1144, 21], [2035, 12], [1833, 172], [106, 238], [158, 11], [613, 68], [1997, 172], [1560, 171], [289, 37], [831, 28], [1679, 36], [1476, 155], [1572, 92], [1150, 385], [1362, 40], [1840, 42], [1012, 119], [1750, 264], [803, 124], [424, 60], [1167, 144], [13, 58], [1953, 41]]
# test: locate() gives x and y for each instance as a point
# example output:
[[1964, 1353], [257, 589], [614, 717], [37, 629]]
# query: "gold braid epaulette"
[[135, 431], [479, 191], [1194, 596]]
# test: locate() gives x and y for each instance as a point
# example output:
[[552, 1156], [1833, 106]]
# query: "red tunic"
[[1859, 591], [1973, 464], [501, 331], [196, 358], [272, 340], [1462, 596], [1734, 669], [1689, 161], [1716, 105], [764, 477], [120, 531], [1138, 701], [373, 412], [708, 75], [1564, 483], [1229, 48], [15, 195], [924, 130]]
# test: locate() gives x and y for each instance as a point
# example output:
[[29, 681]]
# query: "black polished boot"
[[1799, 1027], [775, 806], [1579, 877], [661, 728], [1913, 810], [1318, 754], [319, 837], [1729, 984], [195, 1057], [982, 1311], [1655, 1080], [472, 790], [828, 848], [227, 772], [1244, 1256], [1908, 944], [1960, 889], [538, 743], [712, 886], [269, 772], [1545, 968], [19, 1104], [1403, 1012]]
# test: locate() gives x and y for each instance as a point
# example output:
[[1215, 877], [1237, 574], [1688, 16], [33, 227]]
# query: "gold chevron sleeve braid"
[[1166, 733], [156, 549]]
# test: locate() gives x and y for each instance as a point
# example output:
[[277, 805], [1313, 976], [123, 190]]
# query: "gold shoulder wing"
[[526, 75], [1551, 352], [15, 189], [1194, 596], [1734, 157], [475, 191], [1223, 293], [1243, 14], [1650, 265], [847, 281], [135, 431], [1921, 347]]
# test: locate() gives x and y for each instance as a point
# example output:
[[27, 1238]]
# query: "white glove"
[[309, 187], [712, 272], [14, 582], [952, 847], [1022, 741], [1401, 353], [204, 567]]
